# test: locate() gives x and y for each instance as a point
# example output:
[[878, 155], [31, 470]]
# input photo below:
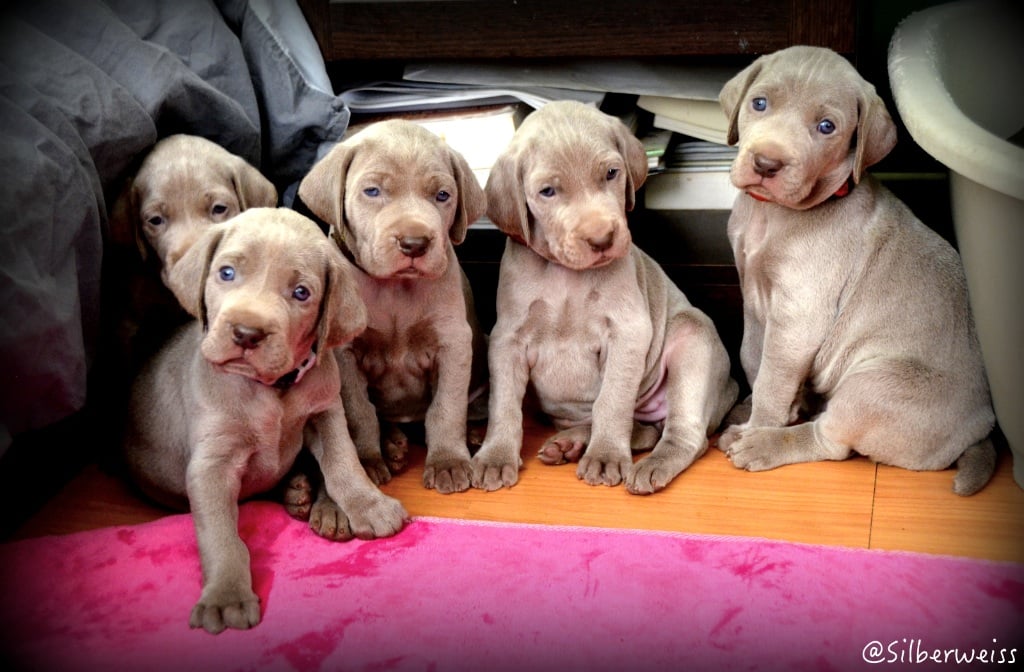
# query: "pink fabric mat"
[[450, 595]]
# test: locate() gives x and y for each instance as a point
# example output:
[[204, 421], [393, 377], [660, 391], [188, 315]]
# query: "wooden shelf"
[[498, 29]]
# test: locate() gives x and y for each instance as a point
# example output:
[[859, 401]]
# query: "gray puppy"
[[221, 412], [852, 307], [593, 323]]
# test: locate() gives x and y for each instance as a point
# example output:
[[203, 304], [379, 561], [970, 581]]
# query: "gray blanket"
[[86, 87]]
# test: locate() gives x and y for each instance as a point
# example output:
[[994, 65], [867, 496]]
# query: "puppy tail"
[[974, 468]]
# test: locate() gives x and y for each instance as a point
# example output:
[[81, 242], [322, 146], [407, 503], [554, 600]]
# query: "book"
[[404, 96], [703, 119], [689, 190], [696, 177], [480, 134]]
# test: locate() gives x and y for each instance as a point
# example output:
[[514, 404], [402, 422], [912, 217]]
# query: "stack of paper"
[[696, 177], [702, 119]]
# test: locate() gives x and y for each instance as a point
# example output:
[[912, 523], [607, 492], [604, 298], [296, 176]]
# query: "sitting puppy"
[[184, 184], [397, 199], [848, 299], [222, 411], [591, 321]]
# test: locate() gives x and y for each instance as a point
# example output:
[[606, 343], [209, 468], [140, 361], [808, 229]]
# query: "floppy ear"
[[506, 197], [187, 277], [633, 152], [323, 190], [472, 202], [252, 188], [876, 132], [124, 224], [342, 311], [734, 91]]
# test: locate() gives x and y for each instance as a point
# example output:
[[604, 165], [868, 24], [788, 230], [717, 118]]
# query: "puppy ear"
[[632, 150], [342, 311], [124, 224], [187, 277], [252, 188], [506, 197], [876, 132], [323, 190], [734, 91], [472, 202]]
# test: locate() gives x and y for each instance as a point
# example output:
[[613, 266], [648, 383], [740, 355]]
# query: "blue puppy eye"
[[612, 174], [547, 192], [826, 127], [372, 192], [760, 104], [442, 196], [301, 293], [226, 273]]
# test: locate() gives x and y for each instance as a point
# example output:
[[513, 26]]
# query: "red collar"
[[840, 192]]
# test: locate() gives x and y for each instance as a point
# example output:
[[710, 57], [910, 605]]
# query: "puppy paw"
[[651, 474], [375, 515], [604, 467], [219, 609], [755, 448], [298, 496], [377, 470], [447, 475], [396, 450], [492, 472], [476, 432], [328, 520], [727, 438], [565, 446]]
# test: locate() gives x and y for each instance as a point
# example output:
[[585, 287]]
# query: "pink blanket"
[[451, 595]]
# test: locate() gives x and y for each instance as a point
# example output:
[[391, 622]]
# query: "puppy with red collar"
[[854, 311]]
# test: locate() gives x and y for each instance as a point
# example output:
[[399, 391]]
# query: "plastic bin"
[[957, 76]]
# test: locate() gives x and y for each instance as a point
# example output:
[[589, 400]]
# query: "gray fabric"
[[86, 87]]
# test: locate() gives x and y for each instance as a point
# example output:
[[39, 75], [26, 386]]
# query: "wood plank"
[[811, 503], [917, 511], [567, 28]]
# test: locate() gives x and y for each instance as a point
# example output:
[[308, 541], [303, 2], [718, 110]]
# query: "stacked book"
[[695, 177]]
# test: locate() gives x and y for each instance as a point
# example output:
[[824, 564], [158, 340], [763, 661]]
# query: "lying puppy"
[[848, 299], [397, 199], [184, 184], [591, 321], [222, 411]]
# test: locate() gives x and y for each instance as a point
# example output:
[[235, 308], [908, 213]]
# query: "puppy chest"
[[399, 362], [566, 347]]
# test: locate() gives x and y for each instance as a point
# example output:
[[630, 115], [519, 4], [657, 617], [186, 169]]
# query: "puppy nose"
[[413, 246], [603, 243], [247, 337], [765, 166]]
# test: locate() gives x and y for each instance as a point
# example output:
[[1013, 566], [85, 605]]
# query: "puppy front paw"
[[754, 448], [298, 496], [653, 473], [604, 467], [447, 475], [376, 515], [395, 449], [222, 608], [328, 520], [495, 468], [565, 446], [729, 437], [376, 469]]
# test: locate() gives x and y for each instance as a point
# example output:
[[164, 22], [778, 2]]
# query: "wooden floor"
[[853, 503]]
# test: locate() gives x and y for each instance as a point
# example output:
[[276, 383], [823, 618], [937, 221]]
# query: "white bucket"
[[957, 76]]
